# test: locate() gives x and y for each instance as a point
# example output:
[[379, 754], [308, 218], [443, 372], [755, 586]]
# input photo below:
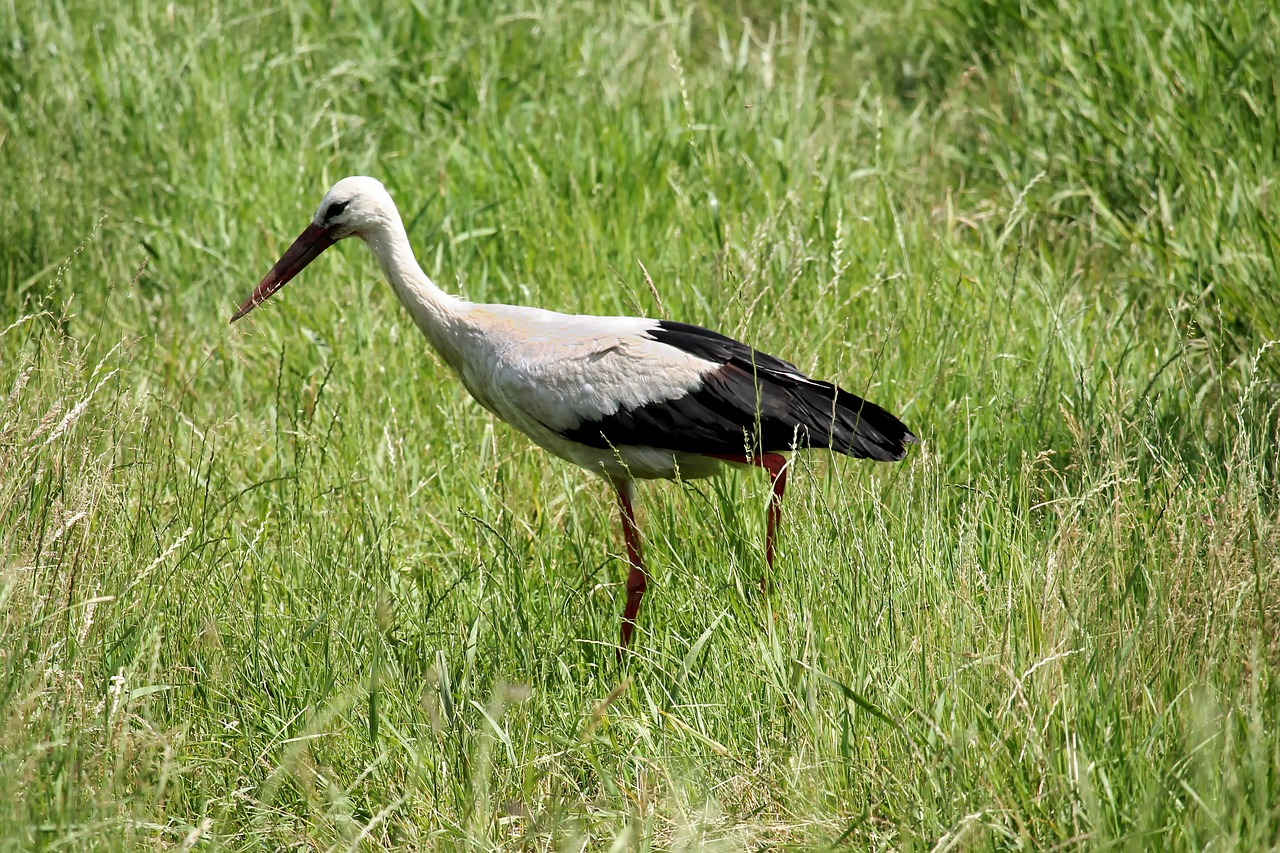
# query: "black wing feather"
[[750, 402]]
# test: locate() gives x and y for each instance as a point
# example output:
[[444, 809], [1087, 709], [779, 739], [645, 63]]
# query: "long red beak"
[[305, 249]]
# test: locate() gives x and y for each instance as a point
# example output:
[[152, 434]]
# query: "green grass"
[[283, 585]]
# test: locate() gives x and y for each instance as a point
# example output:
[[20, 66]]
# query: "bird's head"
[[355, 206]]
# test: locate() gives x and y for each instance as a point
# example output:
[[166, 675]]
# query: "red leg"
[[637, 578], [777, 468], [776, 465]]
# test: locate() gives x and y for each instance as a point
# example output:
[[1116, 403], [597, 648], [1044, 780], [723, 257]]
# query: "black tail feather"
[[868, 430], [821, 415]]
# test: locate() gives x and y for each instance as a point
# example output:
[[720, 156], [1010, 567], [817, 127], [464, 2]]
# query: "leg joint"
[[636, 583]]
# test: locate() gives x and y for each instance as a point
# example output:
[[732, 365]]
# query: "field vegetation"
[[282, 585]]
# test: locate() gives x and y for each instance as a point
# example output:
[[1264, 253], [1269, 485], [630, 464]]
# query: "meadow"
[[282, 585]]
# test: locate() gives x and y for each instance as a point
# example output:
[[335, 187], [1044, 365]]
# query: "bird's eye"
[[335, 209]]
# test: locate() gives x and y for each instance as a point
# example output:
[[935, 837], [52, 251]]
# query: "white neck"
[[441, 316]]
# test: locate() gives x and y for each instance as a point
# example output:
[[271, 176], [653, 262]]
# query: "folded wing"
[[743, 401]]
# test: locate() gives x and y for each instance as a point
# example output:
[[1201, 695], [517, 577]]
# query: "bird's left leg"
[[637, 578], [776, 465]]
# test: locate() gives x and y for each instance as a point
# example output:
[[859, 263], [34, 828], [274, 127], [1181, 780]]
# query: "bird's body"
[[547, 374], [624, 397]]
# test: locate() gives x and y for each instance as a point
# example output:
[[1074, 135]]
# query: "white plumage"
[[623, 397]]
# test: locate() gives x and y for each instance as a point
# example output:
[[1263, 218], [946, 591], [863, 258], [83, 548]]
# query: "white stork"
[[624, 397]]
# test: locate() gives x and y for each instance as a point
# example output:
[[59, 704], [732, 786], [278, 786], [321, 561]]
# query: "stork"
[[624, 397]]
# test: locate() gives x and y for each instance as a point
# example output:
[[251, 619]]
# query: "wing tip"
[[875, 433]]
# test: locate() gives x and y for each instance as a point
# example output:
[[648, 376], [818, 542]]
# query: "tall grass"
[[284, 585]]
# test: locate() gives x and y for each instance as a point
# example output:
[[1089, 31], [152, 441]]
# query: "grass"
[[283, 585]]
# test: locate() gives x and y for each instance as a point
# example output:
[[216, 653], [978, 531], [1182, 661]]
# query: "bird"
[[627, 398]]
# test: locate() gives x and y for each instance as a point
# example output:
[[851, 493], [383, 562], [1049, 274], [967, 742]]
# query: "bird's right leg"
[[637, 578]]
